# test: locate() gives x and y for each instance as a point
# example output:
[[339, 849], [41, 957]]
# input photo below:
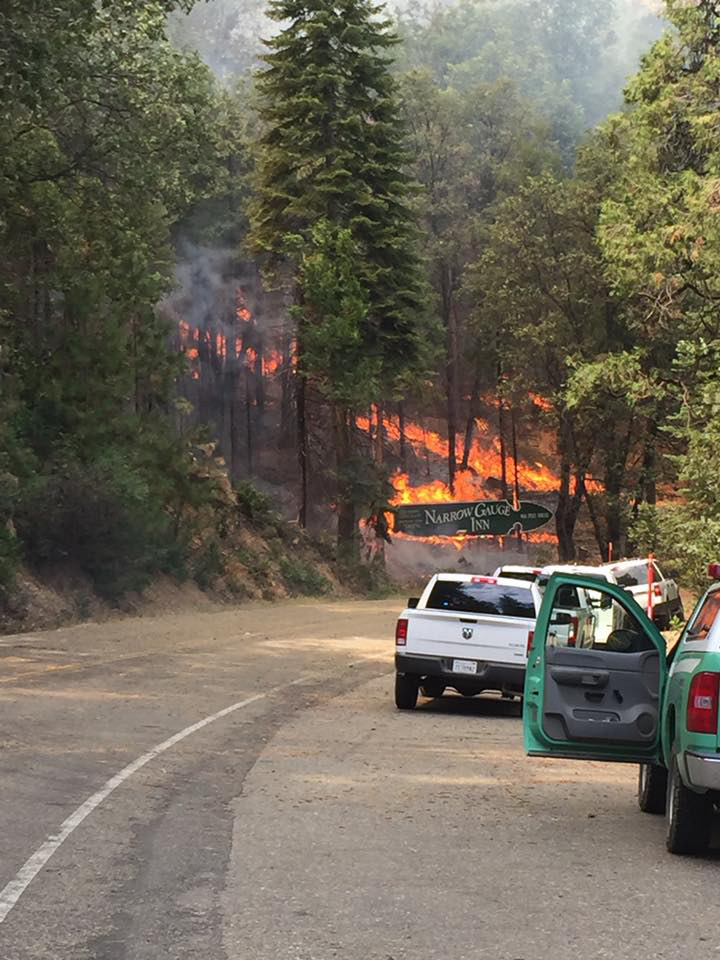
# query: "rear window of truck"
[[494, 599], [514, 575]]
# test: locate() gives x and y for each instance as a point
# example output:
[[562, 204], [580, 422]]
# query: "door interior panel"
[[600, 695]]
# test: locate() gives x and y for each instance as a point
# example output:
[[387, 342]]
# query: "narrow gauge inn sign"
[[485, 518]]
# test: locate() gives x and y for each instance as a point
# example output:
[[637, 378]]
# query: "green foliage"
[[9, 558], [102, 518], [334, 317], [107, 137], [333, 149], [253, 503], [208, 564], [562, 55], [686, 541], [301, 578]]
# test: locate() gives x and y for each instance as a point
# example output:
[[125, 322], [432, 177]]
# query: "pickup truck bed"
[[469, 633]]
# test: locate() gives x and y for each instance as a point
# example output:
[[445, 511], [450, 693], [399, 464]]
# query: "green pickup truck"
[[622, 697]]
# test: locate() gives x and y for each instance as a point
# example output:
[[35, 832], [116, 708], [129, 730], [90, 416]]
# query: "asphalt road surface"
[[239, 786]]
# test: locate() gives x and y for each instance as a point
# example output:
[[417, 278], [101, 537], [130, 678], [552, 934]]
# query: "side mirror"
[[561, 620], [413, 602]]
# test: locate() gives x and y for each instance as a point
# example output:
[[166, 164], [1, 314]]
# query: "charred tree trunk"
[[516, 465], [403, 444], [470, 424], [503, 450], [379, 435], [302, 433], [347, 533], [569, 498], [286, 392], [615, 472], [600, 538], [249, 418], [648, 488], [450, 323]]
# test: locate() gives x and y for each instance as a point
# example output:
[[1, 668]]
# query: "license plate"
[[464, 666]]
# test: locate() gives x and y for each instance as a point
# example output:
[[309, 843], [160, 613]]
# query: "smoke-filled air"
[[274, 273]]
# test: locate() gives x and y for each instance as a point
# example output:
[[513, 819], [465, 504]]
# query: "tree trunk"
[[347, 533], [503, 450], [470, 424], [302, 435], [452, 401], [615, 473], [403, 444], [600, 538], [568, 500], [380, 434], [516, 465], [649, 468], [235, 426], [450, 322], [286, 392], [249, 418]]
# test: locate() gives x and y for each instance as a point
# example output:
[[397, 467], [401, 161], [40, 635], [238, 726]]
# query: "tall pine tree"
[[333, 152]]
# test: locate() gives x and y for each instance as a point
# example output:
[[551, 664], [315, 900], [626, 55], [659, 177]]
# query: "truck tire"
[[652, 788], [689, 816], [406, 691], [433, 689]]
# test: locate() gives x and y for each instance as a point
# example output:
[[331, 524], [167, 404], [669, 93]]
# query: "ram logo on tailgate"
[[467, 633]]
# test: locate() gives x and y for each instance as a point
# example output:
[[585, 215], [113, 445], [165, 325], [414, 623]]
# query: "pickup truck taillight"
[[574, 631], [657, 590], [702, 709], [401, 631], [531, 640]]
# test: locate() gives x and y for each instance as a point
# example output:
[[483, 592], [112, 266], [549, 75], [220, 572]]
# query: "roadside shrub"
[[104, 518], [9, 557], [253, 504], [209, 564], [302, 579]]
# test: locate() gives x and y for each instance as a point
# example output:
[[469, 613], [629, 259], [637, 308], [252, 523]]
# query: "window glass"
[[479, 597], [568, 597], [513, 575], [607, 625], [657, 576], [632, 576], [705, 617]]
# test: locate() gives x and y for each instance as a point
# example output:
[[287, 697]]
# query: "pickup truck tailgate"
[[469, 636]]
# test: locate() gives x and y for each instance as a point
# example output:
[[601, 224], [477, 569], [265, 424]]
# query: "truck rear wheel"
[[652, 788], [406, 691], [689, 817]]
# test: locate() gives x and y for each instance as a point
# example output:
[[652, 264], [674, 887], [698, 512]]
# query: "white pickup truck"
[[466, 632]]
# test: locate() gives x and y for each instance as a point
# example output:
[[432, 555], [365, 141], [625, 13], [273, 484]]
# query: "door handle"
[[577, 677]]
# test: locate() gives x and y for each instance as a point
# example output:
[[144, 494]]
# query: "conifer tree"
[[333, 150]]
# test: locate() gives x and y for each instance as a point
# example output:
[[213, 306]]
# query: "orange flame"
[[484, 462], [272, 362]]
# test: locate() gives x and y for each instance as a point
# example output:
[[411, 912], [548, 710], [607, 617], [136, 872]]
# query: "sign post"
[[484, 518]]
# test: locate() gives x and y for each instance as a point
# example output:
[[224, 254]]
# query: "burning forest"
[[240, 379]]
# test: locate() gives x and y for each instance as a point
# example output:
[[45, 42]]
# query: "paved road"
[[315, 821]]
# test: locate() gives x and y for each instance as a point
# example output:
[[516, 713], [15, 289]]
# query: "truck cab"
[[622, 699]]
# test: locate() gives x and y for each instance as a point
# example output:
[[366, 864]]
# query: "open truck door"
[[600, 701]]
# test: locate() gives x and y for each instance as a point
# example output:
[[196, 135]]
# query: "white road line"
[[11, 893]]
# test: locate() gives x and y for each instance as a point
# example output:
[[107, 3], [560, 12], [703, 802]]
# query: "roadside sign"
[[484, 518]]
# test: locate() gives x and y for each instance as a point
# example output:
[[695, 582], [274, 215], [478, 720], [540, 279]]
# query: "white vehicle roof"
[[620, 565], [516, 568], [529, 585], [482, 577], [577, 569]]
